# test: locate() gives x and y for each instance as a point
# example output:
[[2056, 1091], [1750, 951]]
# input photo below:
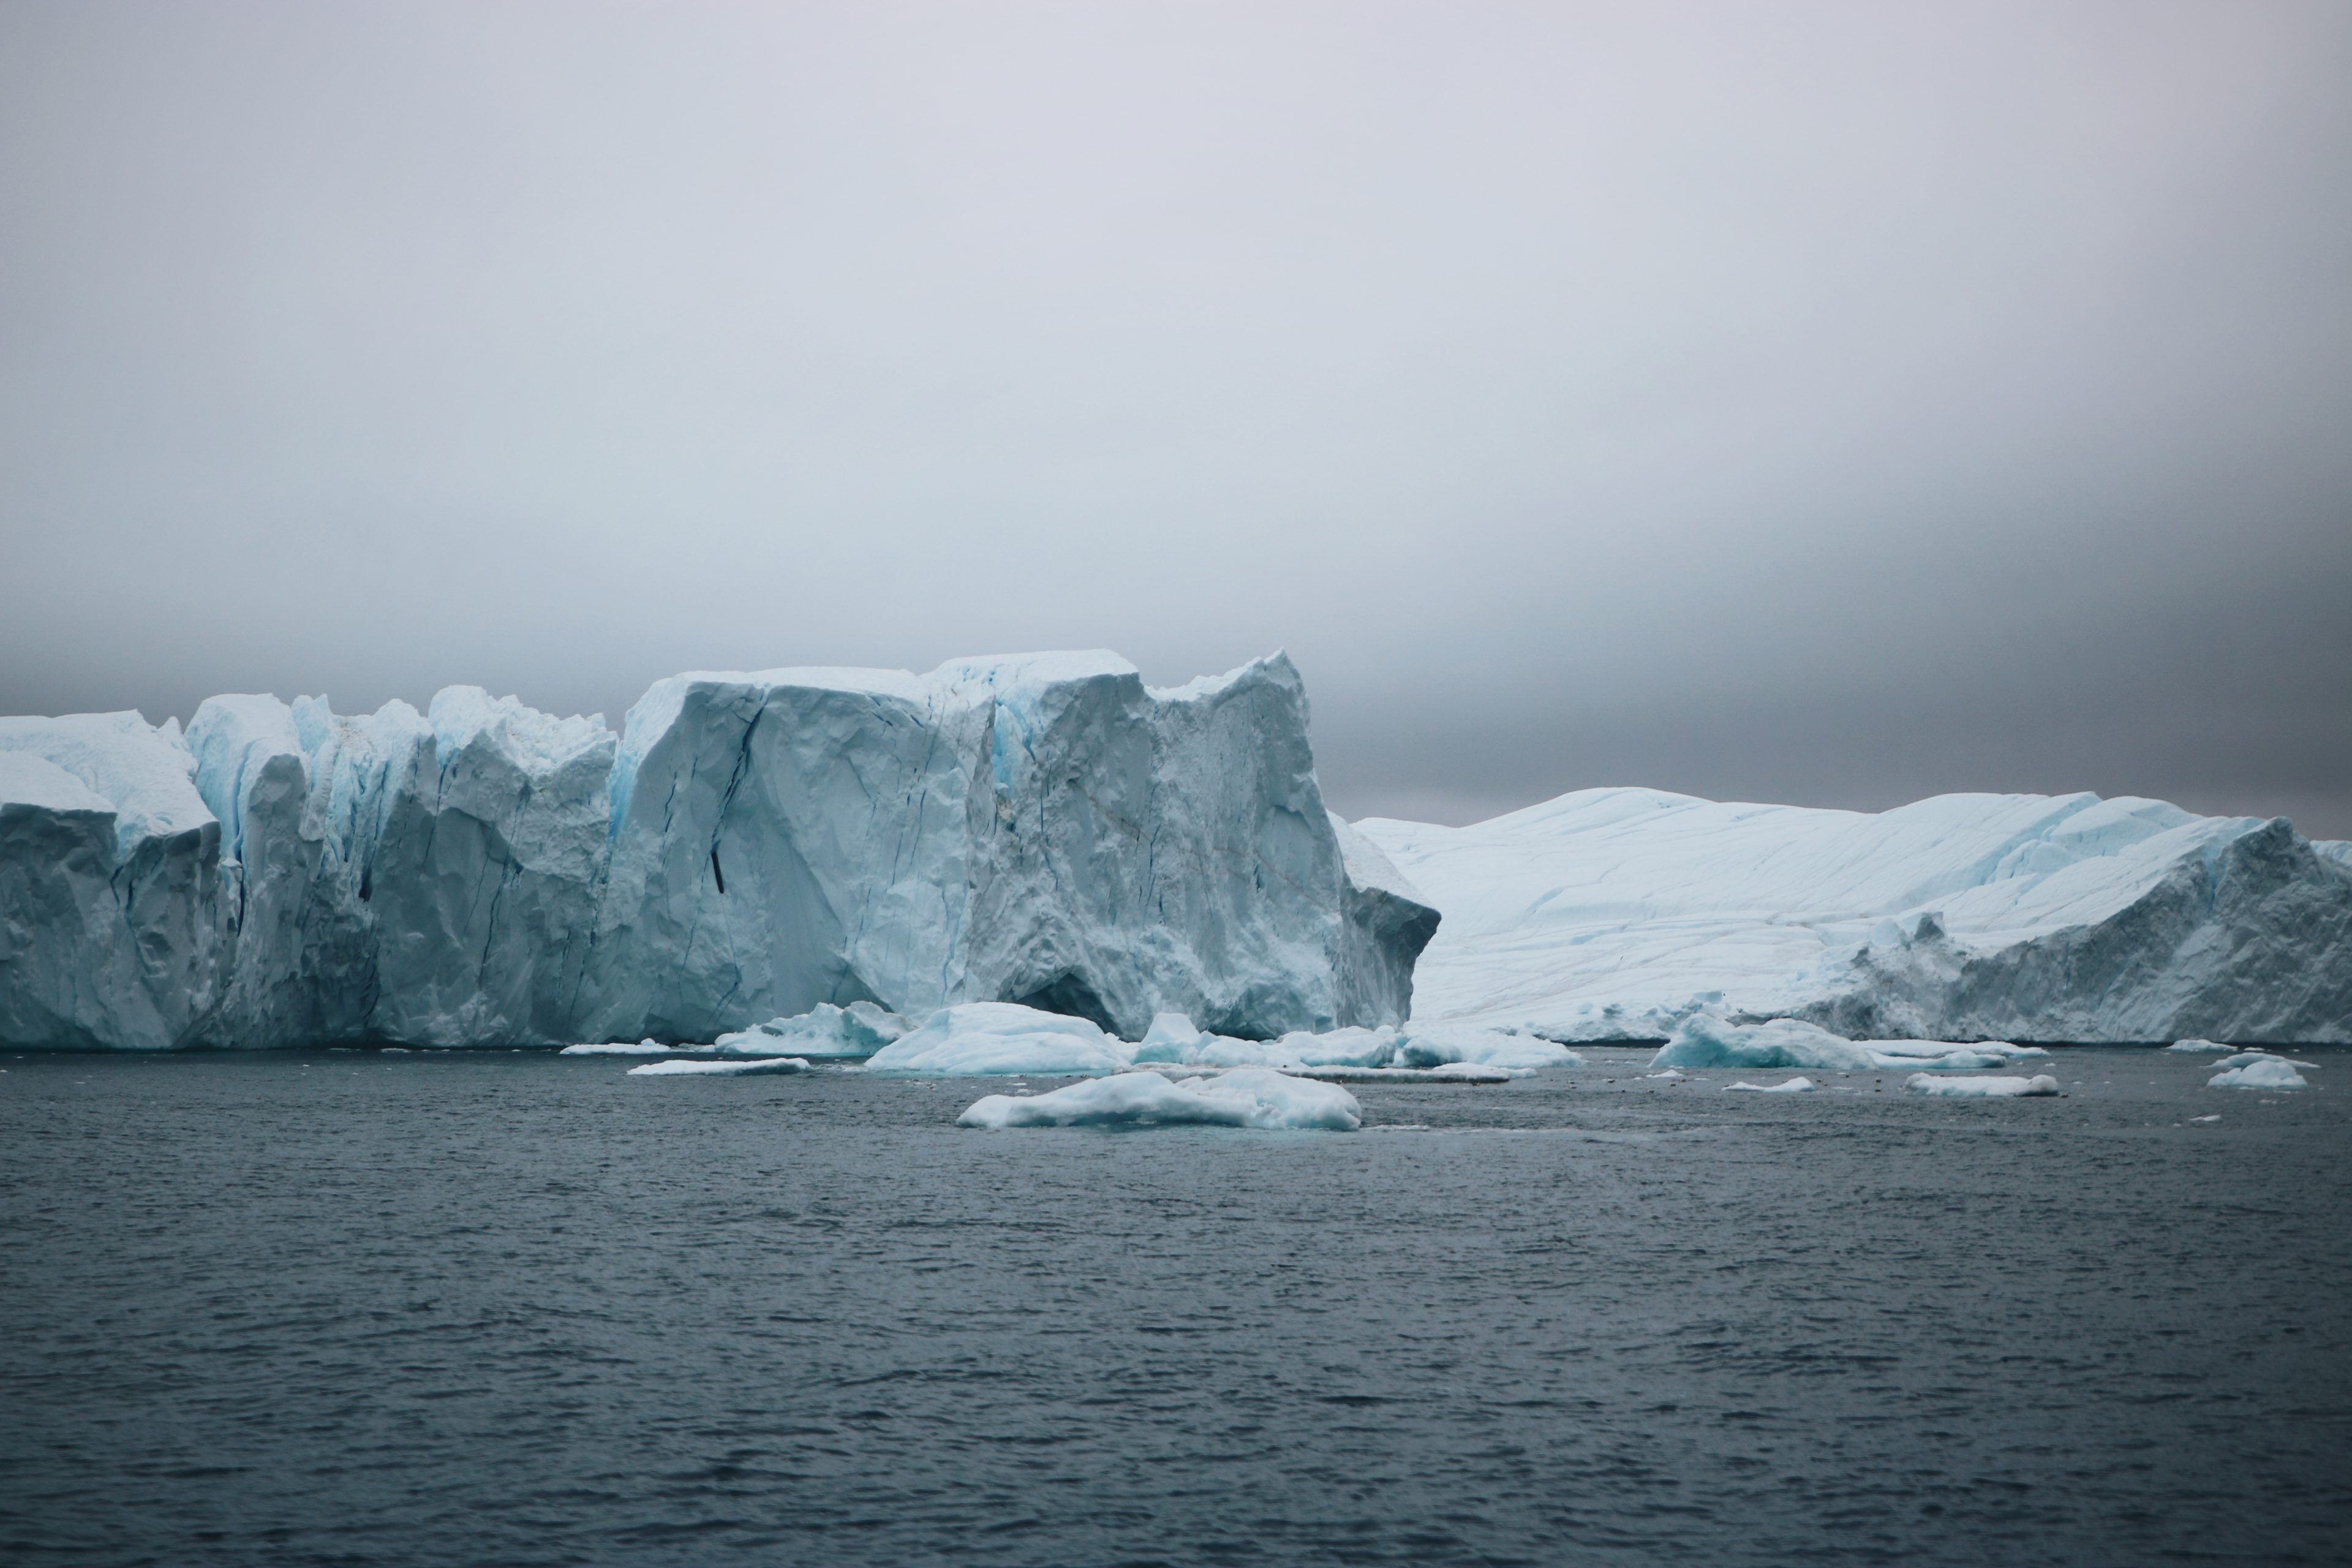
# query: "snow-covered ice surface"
[[2261, 1072], [1243, 1096], [1618, 913], [1981, 1087], [1039, 828], [708, 1067]]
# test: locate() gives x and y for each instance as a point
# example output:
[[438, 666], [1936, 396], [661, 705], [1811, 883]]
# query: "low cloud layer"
[[1835, 405]]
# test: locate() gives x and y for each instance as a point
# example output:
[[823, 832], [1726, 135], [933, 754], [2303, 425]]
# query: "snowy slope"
[[1614, 913]]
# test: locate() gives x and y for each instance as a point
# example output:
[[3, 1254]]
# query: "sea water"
[[353, 1307]]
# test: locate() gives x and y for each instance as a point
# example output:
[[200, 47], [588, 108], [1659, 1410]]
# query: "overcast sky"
[[1829, 403]]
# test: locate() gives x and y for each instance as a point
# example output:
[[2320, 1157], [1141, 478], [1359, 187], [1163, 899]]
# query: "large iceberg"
[[1620, 913], [1042, 829]]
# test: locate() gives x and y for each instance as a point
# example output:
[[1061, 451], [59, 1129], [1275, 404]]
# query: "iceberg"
[[720, 1068], [1039, 829], [1245, 1096], [1618, 914], [1705, 1040], [2261, 1072], [1000, 1038], [2197, 1046], [859, 1030], [1981, 1087]]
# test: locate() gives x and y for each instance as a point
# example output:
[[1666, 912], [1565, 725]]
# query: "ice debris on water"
[[1039, 828], [1243, 1096], [985, 1038], [721, 1066], [2193, 1046], [1615, 914], [1794, 1086], [619, 1048], [2261, 1072], [1980, 1087]]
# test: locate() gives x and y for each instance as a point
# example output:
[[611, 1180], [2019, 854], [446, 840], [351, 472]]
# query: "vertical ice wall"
[[1041, 828]]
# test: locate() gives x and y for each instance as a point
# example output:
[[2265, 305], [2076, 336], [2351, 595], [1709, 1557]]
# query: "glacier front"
[[1042, 829], [1622, 913]]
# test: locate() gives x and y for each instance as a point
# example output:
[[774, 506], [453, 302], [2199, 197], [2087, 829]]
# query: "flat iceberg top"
[[144, 773], [28, 779], [1653, 904]]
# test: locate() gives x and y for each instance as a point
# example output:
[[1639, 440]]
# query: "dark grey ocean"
[[359, 1308]]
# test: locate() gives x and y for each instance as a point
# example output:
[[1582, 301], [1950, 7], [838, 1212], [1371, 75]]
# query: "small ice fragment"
[[1670, 1075], [2195, 1045], [722, 1069], [2215, 1117], [1794, 1086], [618, 1048]]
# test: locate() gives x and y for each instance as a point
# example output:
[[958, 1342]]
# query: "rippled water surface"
[[363, 1308]]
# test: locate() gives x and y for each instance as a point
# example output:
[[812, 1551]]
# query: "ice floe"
[[859, 1030], [1000, 1038], [1794, 1086], [720, 1067], [1980, 1087], [1244, 1096]]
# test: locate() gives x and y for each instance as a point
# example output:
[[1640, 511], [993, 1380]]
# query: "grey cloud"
[[1832, 403]]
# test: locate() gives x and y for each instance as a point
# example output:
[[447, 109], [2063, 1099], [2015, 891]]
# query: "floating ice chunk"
[[618, 1048], [1671, 1075], [985, 1038], [2196, 1046], [1245, 1096], [2261, 1072], [1706, 1041], [1434, 1045], [859, 1030], [1444, 1072], [1794, 1086], [2247, 1059], [2215, 1117], [1980, 1087], [721, 1069]]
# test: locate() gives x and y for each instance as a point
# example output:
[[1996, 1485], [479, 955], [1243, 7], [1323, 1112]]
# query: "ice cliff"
[[1620, 913], [1042, 829]]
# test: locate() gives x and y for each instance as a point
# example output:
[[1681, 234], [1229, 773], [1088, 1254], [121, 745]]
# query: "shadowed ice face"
[[1825, 404]]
